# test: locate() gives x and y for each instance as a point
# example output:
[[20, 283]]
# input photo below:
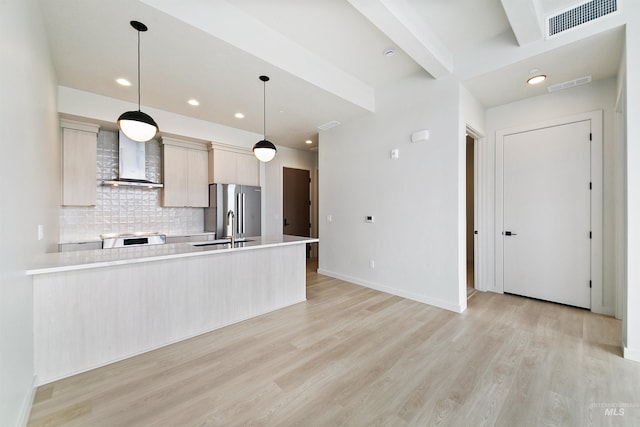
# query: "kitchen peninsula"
[[95, 307]]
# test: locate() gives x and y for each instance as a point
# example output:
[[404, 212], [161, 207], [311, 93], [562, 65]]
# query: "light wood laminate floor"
[[357, 357]]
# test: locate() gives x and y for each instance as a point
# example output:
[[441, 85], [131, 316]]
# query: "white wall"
[[620, 221], [472, 112], [286, 158], [29, 177], [631, 332], [599, 95], [414, 241]]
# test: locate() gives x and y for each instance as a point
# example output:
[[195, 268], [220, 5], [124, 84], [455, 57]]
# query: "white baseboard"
[[631, 354], [394, 291], [25, 411], [607, 311]]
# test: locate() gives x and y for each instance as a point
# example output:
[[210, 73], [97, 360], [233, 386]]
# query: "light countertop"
[[67, 261]]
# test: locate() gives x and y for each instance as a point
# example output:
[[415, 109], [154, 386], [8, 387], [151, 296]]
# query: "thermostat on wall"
[[421, 135]]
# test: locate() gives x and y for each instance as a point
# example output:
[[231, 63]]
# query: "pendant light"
[[264, 150], [137, 125]]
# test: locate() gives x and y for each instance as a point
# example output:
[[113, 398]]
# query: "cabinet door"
[[198, 178], [248, 169], [224, 167], [175, 176], [79, 160]]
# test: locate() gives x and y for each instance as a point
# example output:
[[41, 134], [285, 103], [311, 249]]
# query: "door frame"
[[597, 287], [313, 207], [478, 267]]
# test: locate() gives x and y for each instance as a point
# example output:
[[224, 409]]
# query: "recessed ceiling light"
[[308, 141], [534, 80], [193, 102], [123, 82], [239, 116]]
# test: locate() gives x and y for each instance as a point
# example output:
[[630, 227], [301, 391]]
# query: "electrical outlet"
[[329, 218]]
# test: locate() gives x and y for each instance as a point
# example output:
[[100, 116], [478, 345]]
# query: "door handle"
[[285, 222], [509, 233]]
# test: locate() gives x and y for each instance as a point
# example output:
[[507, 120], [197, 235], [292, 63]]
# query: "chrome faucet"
[[231, 219]]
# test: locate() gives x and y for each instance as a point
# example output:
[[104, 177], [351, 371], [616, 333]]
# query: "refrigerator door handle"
[[238, 212], [243, 213]]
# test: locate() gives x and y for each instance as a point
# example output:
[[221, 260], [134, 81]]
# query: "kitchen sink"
[[219, 242]]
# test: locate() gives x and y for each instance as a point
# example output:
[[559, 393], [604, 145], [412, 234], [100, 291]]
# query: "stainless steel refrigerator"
[[243, 200]]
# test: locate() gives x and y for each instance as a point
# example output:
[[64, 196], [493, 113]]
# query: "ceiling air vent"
[[579, 15], [329, 125], [570, 83]]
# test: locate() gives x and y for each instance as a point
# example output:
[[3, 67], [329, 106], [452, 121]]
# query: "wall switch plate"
[[370, 219], [395, 153], [40, 232], [372, 264], [329, 218]]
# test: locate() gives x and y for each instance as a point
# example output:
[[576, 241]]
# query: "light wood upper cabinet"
[[197, 174], [233, 167], [224, 167], [174, 178], [248, 169], [79, 163], [185, 174]]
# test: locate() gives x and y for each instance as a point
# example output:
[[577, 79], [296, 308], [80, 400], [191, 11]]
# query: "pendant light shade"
[[137, 125], [264, 150]]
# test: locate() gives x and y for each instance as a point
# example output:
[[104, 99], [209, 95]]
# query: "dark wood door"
[[296, 202]]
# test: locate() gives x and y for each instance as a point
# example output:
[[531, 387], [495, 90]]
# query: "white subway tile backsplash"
[[126, 209]]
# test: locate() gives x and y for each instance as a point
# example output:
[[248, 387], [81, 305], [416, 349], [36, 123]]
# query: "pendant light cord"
[[138, 70], [264, 109]]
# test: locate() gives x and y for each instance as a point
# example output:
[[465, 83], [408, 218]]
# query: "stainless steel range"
[[132, 239]]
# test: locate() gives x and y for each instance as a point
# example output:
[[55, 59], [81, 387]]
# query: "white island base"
[[92, 316]]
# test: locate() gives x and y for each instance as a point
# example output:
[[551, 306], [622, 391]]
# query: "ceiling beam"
[[228, 23], [524, 19], [500, 52], [400, 22]]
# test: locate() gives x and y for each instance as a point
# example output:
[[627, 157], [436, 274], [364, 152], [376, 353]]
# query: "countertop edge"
[[194, 251]]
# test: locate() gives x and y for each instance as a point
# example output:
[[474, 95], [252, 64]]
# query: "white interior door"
[[547, 213]]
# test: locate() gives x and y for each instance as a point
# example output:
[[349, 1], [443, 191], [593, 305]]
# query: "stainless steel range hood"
[[131, 169]]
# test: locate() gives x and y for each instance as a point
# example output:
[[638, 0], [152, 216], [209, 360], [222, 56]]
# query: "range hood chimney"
[[131, 168]]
